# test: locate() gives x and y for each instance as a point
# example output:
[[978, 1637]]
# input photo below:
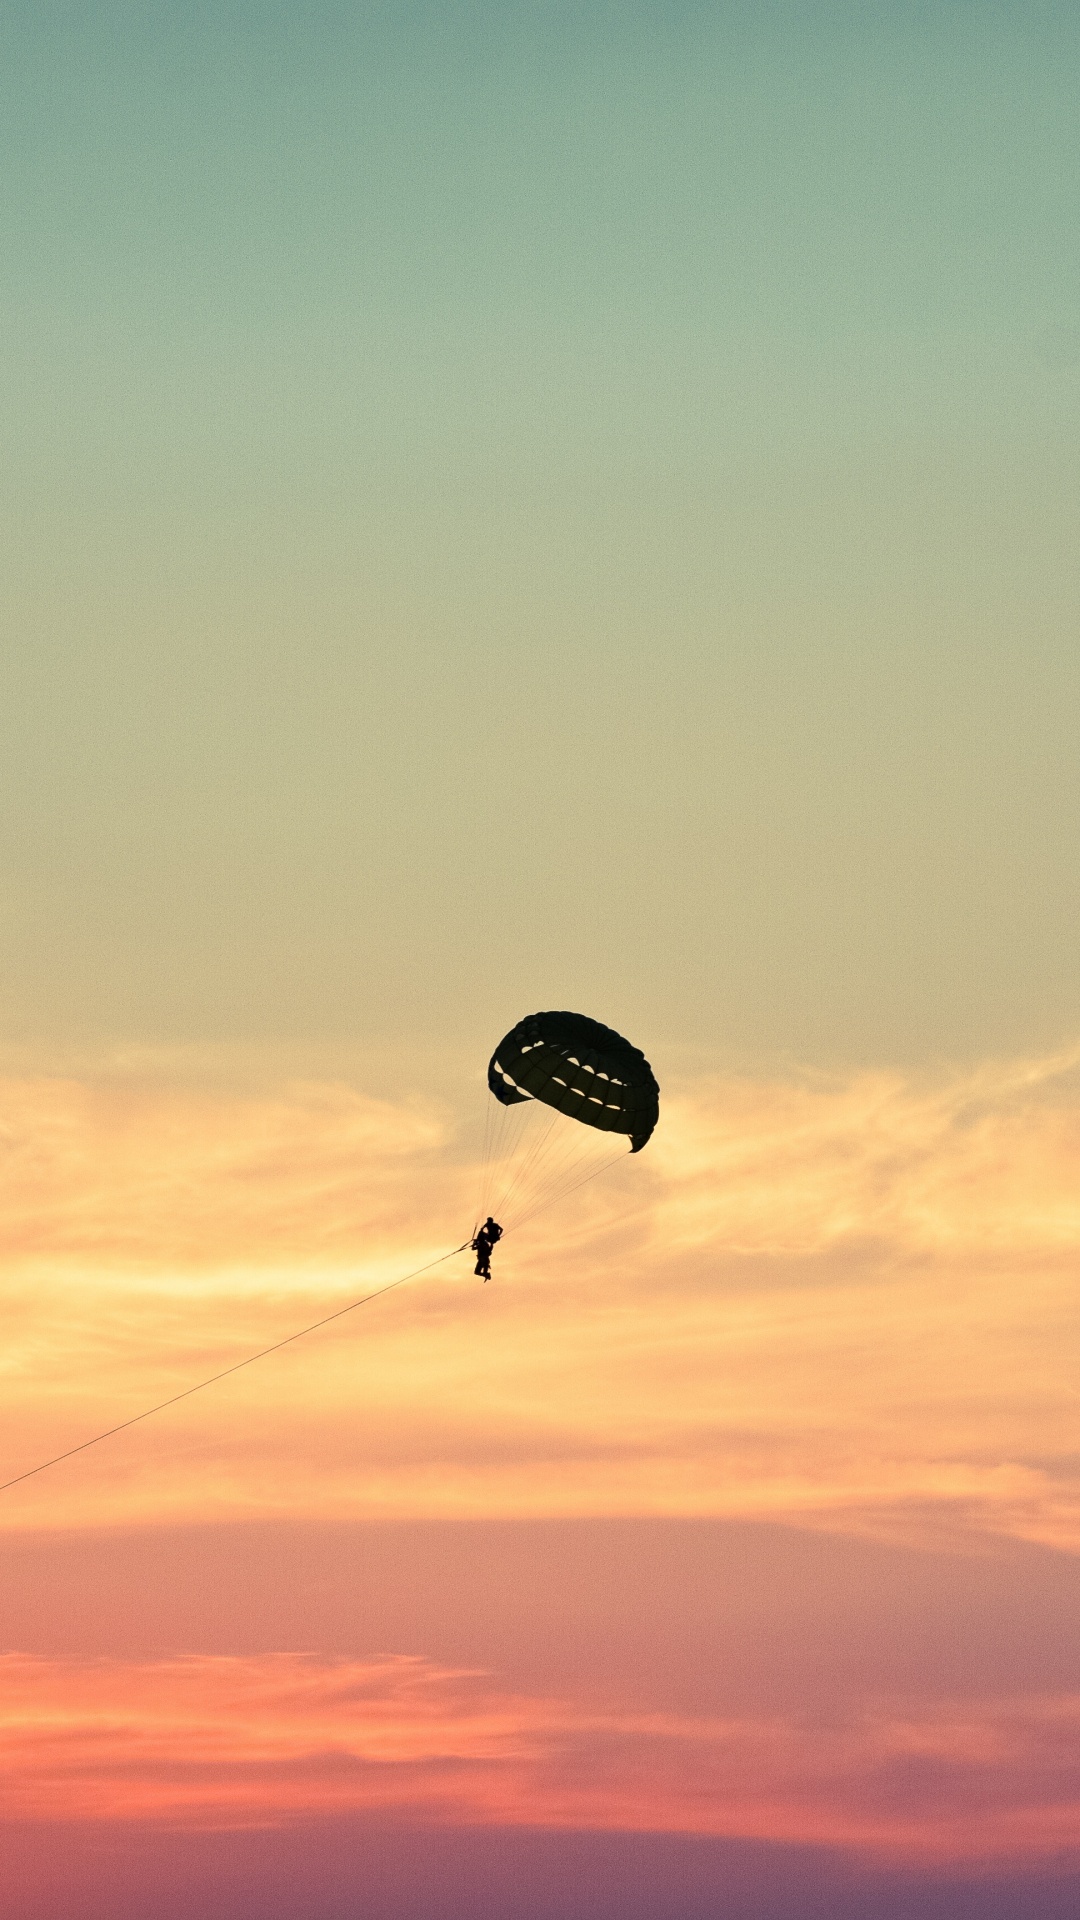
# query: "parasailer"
[[482, 1246]]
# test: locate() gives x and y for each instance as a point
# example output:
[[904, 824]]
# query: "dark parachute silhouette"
[[562, 1082], [580, 1068]]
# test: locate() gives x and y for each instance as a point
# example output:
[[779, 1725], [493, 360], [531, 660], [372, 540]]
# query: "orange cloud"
[[985, 1161], [172, 1178], [244, 1742], [850, 1302]]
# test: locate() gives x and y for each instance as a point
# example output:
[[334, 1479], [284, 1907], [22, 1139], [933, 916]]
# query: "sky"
[[514, 506]]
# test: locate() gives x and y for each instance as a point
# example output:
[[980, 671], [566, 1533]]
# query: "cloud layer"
[[846, 1300], [255, 1741], [846, 1307], [840, 1300]]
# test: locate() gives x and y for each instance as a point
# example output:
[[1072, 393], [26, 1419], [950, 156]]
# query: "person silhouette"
[[485, 1240]]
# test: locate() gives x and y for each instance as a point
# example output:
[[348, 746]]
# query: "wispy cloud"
[[210, 1742], [849, 1301], [167, 1178], [984, 1162]]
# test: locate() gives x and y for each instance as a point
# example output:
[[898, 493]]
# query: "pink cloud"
[[210, 1742]]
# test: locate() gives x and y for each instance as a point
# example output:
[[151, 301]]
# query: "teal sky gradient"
[[538, 505]]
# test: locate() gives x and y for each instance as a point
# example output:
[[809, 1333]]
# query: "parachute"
[[580, 1068], [575, 1080]]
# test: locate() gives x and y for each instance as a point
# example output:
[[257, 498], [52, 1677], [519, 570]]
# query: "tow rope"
[[237, 1367]]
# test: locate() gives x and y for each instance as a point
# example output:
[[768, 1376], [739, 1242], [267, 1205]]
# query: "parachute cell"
[[582, 1069]]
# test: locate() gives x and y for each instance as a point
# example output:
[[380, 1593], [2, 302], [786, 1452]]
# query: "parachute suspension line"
[[485, 1164], [512, 1133], [564, 1151], [504, 1124], [554, 1147], [516, 1144], [523, 1167], [563, 1193], [549, 1160], [237, 1367], [546, 1157]]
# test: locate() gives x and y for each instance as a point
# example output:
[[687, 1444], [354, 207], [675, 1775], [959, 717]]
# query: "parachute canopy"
[[580, 1068]]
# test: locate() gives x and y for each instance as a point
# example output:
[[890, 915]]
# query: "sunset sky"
[[513, 506]]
